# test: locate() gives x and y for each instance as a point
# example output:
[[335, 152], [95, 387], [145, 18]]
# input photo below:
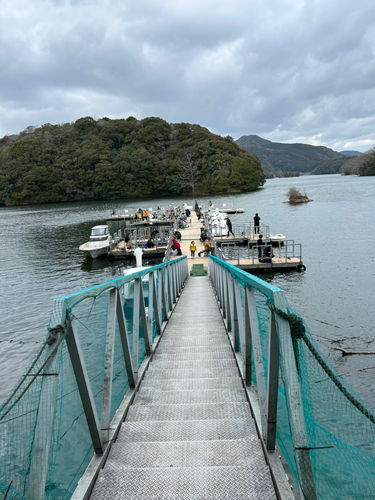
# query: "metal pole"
[[235, 317], [293, 395], [148, 345], [248, 340], [272, 384], [136, 315], [105, 417], [125, 342], [258, 357], [84, 388]]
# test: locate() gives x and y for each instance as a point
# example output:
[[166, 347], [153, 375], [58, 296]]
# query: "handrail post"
[[148, 343], [272, 384], [173, 282], [169, 287], [84, 388], [227, 293], [153, 306], [248, 341], [219, 287], [258, 357], [293, 395], [235, 317], [125, 343], [163, 293], [136, 315], [222, 291], [105, 416]]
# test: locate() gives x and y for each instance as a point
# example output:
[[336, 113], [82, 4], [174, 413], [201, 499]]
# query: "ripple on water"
[[41, 261]]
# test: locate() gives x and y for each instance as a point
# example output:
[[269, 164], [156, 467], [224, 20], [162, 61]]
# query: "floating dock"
[[277, 264], [117, 217], [291, 259], [120, 252]]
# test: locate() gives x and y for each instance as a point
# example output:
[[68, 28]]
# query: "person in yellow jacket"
[[208, 248], [192, 248]]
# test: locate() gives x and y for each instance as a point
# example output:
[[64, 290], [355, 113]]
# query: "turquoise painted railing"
[[67, 407], [325, 431]]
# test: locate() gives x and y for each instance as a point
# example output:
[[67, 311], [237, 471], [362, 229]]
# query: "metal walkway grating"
[[189, 433]]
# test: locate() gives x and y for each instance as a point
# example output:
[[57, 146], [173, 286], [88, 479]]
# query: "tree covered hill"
[[279, 157], [125, 158]]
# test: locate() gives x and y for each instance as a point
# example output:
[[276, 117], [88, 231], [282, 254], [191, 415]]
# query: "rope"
[[298, 332], [50, 339]]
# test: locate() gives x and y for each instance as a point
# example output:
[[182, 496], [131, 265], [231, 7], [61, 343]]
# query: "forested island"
[[118, 159]]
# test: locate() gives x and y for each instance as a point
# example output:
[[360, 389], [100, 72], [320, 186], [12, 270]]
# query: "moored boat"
[[99, 242], [276, 237]]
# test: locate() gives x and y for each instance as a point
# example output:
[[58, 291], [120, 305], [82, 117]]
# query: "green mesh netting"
[[45, 444], [332, 450]]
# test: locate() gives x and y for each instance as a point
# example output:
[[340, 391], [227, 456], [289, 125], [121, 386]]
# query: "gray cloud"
[[288, 70]]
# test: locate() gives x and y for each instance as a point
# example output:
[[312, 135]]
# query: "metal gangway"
[[156, 385], [189, 432]]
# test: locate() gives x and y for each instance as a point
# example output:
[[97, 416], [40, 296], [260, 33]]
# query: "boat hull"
[[277, 237], [94, 251]]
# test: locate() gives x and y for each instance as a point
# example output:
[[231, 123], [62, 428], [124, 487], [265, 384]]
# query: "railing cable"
[[298, 332]]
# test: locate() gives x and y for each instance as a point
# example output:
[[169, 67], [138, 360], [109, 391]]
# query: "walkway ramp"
[[189, 433]]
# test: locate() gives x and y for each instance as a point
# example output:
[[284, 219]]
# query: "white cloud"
[[282, 69]]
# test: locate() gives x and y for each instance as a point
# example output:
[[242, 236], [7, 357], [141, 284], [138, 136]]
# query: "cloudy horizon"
[[286, 70]]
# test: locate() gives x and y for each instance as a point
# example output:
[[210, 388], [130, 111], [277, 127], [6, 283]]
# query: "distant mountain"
[[350, 153], [278, 157]]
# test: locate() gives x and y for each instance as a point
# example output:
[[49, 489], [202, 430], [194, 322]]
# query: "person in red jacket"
[[176, 246]]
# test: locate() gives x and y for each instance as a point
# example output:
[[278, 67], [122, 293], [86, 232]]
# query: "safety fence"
[[283, 252], [62, 412], [249, 231], [325, 431]]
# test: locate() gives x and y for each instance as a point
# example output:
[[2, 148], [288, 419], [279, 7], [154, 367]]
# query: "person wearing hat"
[[176, 246]]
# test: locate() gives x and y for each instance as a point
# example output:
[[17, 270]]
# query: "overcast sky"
[[286, 70]]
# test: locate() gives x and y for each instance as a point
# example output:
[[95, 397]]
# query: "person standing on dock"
[[193, 248], [229, 224], [260, 244], [203, 235], [256, 224]]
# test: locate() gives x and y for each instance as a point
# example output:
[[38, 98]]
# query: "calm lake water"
[[40, 261]]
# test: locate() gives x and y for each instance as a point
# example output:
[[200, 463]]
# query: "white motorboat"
[[276, 237], [99, 242], [218, 223]]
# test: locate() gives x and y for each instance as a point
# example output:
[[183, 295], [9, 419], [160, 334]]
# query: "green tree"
[[368, 167]]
